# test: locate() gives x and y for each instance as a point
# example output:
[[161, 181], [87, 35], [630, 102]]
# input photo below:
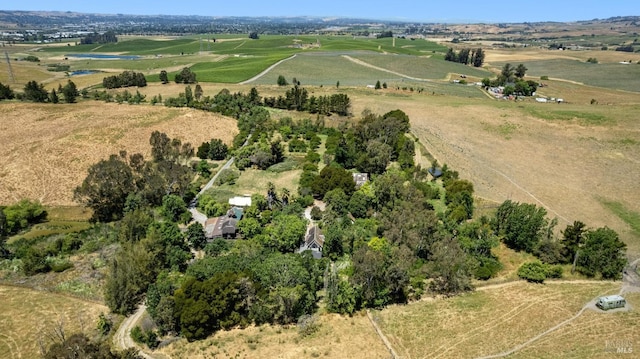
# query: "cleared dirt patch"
[[27, 315], [47, 149]]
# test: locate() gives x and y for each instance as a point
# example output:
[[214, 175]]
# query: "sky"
[[450, 11]]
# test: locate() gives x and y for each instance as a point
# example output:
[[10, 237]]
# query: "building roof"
[[611, 298], [240, 201], [313, 241], [219, 227], [360, 178]]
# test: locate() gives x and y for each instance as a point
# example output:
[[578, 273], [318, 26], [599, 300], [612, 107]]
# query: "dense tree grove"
[[185, 76], [125, 79], [6, 93], [473, 57], [95, 38]]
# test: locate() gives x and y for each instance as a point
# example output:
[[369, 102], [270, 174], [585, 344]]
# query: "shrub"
[[544, 77], [534, 272], [554, 271], [307, 325], [228, 176]]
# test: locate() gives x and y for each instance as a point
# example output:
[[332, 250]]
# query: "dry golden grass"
[[338, 337], [491, 321], [566, 157], [515, 55], [47, 149], [28, 315], [591, 335]]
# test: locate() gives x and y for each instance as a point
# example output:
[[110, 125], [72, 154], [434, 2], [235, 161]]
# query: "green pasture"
[[593, 116], [420, 67], [607, 75]]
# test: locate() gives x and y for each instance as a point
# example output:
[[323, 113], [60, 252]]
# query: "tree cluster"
[[297, 98], [524, 227], [473, 57], [96, 38], [6, 93], [185, 76], [118, 181], [213, 150], [125, 79]]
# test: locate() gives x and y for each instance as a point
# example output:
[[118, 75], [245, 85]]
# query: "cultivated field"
[[29, 316], [47, 149], [491, 321]]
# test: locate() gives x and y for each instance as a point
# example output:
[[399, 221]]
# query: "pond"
[[104, 56], [83, 72]]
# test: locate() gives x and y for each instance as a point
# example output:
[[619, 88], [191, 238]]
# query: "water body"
[[83, 72], [104, 56]]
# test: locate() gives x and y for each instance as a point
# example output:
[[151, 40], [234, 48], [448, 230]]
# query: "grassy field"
[[607, 75], [460, 327], [29, 315], [337, 337], [64, 140], [422, 67]]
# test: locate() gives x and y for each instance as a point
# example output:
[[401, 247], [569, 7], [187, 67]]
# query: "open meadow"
[[47, 149], [30, 316]]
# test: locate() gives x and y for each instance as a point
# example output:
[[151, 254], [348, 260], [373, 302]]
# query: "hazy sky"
[[420, 10]]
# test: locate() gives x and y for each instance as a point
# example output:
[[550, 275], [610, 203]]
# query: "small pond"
[[83, 72]]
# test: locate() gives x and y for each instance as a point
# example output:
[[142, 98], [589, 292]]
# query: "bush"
[[554, 271], [534, 272], [307, 325], [59, 265], [228, 176], [544, 77]]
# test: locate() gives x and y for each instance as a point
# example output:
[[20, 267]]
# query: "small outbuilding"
[[611, 302]]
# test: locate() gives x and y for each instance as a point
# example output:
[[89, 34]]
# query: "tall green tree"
[[603, 253], [35, 92], [105, 189], [520, 71], [70, 92], [521, 225], [164, 78]]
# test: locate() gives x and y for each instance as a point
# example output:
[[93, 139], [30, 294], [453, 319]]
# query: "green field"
[[608, 75], [421, 67]]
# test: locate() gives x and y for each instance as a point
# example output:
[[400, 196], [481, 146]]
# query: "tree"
[[175, 209], [185, 76], [286, 234], [35, 92], [164, 78], [6, 93], [506, 75], [195, 236], [378, 86], [105, 189], [198, 92], [218, 150], [332, 177], [533, 272], [573, 238], [520, 225], [477, 58], [452, 269], [463, 56], [70, 92], [520, 71], [130, 272], [451, 55], [604, 253], [282, 81], [254, 35], [53, 98]]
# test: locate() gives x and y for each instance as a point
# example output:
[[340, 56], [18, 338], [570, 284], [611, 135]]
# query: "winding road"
[[122, 339]]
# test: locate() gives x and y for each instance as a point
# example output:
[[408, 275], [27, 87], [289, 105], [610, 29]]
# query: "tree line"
[[125, 79], [35, 92], [474, 57]]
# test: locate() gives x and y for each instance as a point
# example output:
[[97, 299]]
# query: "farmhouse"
[[313, 241], [224, 226]]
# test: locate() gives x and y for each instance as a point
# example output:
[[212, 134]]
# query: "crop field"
[[607, 75], [47, 149], [28, 316], [421, 67], [497, 319]]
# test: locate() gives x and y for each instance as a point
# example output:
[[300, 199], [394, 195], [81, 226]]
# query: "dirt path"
[[362, 63], [386, 342], [266, 71], [122, 338]]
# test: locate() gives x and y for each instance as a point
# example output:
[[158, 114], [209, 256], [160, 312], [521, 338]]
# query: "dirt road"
[[122, 339]]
